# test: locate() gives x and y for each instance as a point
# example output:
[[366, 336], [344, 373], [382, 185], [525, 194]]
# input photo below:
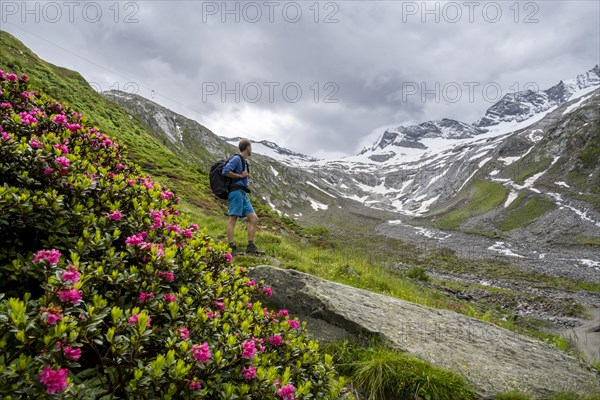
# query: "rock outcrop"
[[492, 359]]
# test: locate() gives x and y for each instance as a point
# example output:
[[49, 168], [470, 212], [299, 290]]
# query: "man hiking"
[[239, 205]]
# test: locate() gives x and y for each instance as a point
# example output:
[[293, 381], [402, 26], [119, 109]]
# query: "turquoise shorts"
[[239, 205]]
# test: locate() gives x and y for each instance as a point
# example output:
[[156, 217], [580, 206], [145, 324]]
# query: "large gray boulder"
[[492, 359]]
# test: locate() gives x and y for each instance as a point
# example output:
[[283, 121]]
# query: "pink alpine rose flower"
[[170, 298], [115, 215], [52, 256], [34, 143], [70, 275], [52, 319], [201, 352], [70, 296], [293, 323], [55, 381], [275, 340], [71, 353], [62, 161], [248, 350], [287, 392], [249, 373], [183, 333], [195, 385], [143, 297]]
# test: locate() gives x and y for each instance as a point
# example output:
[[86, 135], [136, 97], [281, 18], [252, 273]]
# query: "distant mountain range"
[[512, 109], [273, 150]]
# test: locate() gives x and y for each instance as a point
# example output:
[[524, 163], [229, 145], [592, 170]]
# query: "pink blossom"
[[183, 333], [166, 195], [195, 385], [130, 182], [24, 78], [251, 283], [27, 118], [201, 353], [55, 381], [287, 392], [115, 215], [11, 77], [275, 340], [72, 353], [73, 127], [194, 227], [134, 319], [71, 275], [71, 295], [51, 256], [134, 240], [59, 119], [249, 373], [5, 105], [6, 136], [143, 297], [62, 161], [169, 298], [48, 171], [249, 305], [294, 323], [228, 257], [219, 304], [26, 95], [282, 313], [268, 291], [34, 143], [63, 148], [169, 276], [52, 319], [248, 349]]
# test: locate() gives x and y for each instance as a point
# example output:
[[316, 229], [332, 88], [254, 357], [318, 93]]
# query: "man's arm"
[[232, 165], [233, 175]]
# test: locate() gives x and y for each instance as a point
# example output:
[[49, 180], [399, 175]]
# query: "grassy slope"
[[479, 197]]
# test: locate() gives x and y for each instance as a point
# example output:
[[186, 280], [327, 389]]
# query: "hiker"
[[239, 205]]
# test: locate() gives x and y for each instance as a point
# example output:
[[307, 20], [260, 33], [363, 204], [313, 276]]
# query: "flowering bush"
[[108, 292]]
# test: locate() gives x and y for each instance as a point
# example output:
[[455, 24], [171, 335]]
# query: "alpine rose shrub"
[[108, 291]]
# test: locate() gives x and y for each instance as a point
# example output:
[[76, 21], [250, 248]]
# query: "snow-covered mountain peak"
[[525, 104], [273, 150]]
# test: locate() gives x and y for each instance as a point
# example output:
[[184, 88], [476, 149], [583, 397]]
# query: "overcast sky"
[[322, 78]]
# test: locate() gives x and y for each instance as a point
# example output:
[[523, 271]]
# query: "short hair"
[[244, 143]]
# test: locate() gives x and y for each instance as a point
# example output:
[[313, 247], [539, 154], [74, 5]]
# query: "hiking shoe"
[[234, 251], [252, 249]]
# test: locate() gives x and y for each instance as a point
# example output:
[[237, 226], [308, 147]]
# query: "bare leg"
[[252, 224], [231, 227]]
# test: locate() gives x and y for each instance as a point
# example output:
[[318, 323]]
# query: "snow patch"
[[590, 263], [316, 187], [500, 247], [575, 105], [317, 206], [511, 197], [562, 184], [274, 171]]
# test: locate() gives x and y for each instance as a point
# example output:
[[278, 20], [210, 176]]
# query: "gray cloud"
[[366, 60]]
